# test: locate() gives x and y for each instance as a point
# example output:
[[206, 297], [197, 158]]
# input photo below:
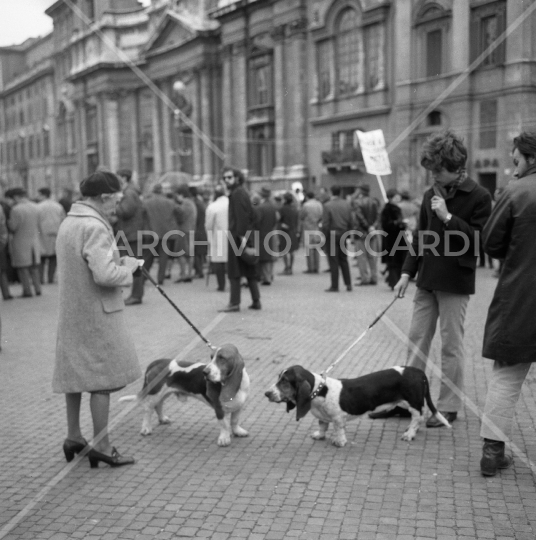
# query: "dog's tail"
[[133, 397], [430, 403]]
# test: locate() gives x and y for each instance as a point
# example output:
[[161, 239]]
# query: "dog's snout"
[[267, 393]]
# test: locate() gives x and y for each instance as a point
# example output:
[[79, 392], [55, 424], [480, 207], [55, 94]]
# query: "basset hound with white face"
[[223, 384], [334, 400]]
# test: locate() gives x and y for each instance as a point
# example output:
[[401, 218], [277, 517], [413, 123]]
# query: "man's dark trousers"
[[338, 258]]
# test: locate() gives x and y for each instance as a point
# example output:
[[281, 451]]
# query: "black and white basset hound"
[[334, 400], [223, 384]]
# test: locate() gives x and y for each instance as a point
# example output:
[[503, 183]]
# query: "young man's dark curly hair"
[[444, 150]]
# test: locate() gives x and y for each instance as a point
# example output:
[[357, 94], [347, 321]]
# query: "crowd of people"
[[113, 232]]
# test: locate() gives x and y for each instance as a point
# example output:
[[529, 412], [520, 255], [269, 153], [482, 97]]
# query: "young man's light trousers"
[[450, 309]]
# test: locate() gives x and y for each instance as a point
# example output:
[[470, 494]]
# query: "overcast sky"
[[21, 19]]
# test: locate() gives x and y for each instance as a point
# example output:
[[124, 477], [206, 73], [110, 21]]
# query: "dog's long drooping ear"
[[232, 383], [303, 398]]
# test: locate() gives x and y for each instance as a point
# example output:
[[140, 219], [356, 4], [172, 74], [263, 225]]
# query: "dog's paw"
[[224, 439], [318, 436], [240, 432], [164, 420], [146, 431], [338, 441], [408, 435]]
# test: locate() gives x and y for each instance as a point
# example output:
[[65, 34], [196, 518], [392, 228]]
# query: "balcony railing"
[[347, 157]]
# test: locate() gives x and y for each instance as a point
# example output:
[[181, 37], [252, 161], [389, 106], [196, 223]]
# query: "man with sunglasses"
[[444, 254], [242, 227]]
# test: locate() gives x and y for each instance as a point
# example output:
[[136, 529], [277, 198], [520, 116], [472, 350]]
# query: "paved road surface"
[[278, 483]]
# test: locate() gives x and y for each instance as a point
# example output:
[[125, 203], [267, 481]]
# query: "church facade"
[[276, 88]]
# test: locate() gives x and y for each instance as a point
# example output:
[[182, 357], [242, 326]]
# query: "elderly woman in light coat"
[[95, 352], [217, 227]]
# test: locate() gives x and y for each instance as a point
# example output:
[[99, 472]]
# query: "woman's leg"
[[73, 402], [100, 409]]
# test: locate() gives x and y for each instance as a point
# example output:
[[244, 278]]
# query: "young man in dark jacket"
[[444, 254]]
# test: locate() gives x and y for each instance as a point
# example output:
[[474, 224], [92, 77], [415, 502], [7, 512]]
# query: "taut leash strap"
[[163, 293], [352, 345]]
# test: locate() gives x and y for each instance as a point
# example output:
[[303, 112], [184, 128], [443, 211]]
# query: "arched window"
[[349, 53]]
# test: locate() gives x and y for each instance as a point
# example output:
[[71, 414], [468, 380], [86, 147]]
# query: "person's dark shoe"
[[397, 411], [231, 308], [10, 297], [130, 301], [266, 282], [220, 290], [433, 421], [349, 288], [256, 305], [363, 283], [27, 295], [493, 458], [37, 293], [308, 272], [115, 460], [70, 448], [331, 289]]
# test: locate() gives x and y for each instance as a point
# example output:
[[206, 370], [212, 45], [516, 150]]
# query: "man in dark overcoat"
[[266, 222], [242, 228], [510, 332]]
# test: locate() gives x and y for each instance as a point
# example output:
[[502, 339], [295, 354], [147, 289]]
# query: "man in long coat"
[[131, 222], [25, 246], [242, 223], [51, 214], [510, 332], [161, 219], [217, 227], [266, 222]]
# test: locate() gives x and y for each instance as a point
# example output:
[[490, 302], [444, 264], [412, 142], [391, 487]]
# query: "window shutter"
[[501, 27]]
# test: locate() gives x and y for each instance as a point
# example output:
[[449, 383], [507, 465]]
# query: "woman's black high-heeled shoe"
[[70, 448], [115, 460]]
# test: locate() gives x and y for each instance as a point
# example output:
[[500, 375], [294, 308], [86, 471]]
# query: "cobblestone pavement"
[[278, 483]]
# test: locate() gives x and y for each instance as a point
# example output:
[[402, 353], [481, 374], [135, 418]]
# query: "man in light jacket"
[[51, 214], [25, 245], [217, 227]]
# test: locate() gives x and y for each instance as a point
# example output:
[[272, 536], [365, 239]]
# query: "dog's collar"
[[321, 387]]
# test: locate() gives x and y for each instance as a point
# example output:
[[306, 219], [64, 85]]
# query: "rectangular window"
[[488, 23], [30, 147], [261, 150], [375, 46], [324, 61], [488, 34], [488, 124], [46, 143], [434, 53], [261, 82]]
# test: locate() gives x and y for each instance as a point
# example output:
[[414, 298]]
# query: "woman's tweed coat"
[[23, 223], [94, 349]]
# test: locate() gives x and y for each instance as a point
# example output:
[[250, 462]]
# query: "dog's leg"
[[225, 431], [339, 435], [149, 405], [162, 419], [236, 429], [320, 435], [416, 420]]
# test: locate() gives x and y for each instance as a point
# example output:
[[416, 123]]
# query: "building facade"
[[274, 87]]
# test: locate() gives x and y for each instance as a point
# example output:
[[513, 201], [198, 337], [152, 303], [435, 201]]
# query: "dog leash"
[[163, 293], [325, 372]]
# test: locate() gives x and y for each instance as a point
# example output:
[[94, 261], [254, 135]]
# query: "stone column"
[[135, 129], [157, 140], [227, 101], [238, 120], [111, 121], [281, 102], [199, 111], [295, 117], [166, 130]]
